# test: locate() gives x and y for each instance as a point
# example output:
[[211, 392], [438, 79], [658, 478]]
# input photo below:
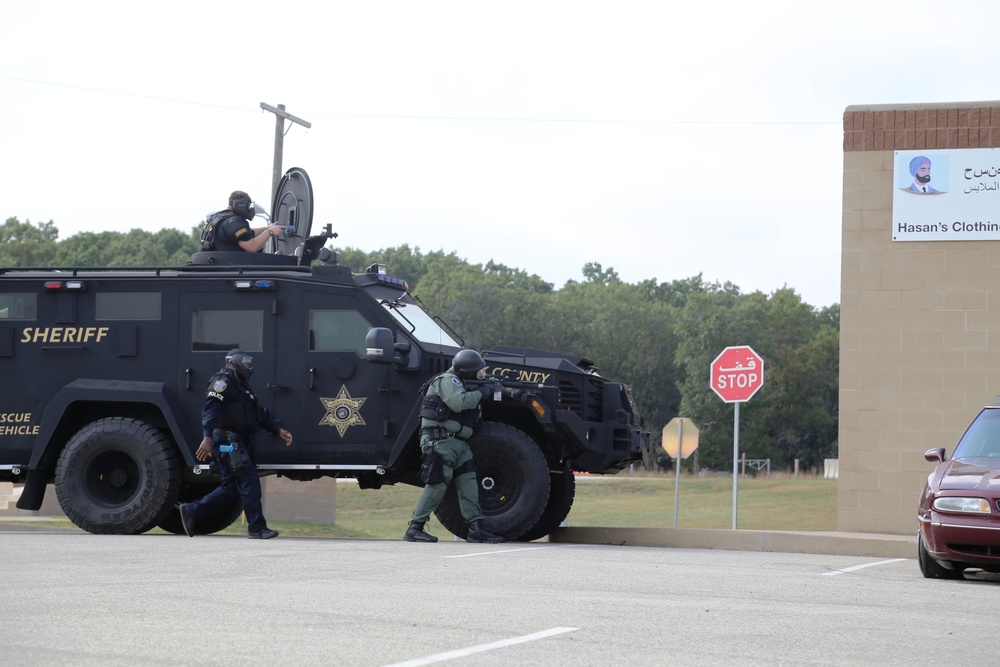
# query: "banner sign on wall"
[[946, 195]]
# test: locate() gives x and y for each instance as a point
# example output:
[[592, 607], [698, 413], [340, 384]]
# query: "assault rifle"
[[516, 389]]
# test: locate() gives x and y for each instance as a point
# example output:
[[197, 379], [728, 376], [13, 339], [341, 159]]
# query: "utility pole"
[[279, 134]]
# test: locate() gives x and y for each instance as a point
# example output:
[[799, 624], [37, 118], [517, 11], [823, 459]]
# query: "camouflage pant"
[[455, 453]]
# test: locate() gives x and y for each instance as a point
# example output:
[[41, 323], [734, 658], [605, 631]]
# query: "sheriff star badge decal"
[[342, 412]]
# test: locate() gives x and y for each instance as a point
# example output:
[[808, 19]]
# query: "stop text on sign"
[[740, 380]]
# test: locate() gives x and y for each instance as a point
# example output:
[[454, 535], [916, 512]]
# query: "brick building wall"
[[920, 321], [919, 126]]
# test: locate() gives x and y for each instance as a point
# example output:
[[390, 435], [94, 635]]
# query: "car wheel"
[[117, 476], [930, 568]]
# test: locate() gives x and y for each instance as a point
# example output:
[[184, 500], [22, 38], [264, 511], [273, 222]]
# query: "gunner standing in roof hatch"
[[230, 229]]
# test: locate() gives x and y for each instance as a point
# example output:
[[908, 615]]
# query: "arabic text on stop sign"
[[738, 380]]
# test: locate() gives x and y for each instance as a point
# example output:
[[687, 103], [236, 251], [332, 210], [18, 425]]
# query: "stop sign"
[[737, 374]]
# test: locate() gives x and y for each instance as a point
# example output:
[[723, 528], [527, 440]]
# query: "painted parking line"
[[482, 648], [861, 567], [509, 551]]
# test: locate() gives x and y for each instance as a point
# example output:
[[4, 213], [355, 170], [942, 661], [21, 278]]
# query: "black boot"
[[479, 534], [415, 533]]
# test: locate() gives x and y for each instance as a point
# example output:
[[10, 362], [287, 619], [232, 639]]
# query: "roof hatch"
[[293, 206]]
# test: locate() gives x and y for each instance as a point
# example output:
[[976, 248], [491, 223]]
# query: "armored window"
[[14, 306], [127, 306], [337, 330], [417, 322], [214, 330]]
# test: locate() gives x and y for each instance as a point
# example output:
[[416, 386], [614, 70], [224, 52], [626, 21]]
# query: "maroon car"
[[959, 510]]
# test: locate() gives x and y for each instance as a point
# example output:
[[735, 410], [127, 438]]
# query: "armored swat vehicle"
[[105, 371]]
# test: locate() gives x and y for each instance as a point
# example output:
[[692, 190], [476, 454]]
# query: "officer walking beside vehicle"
[[449, 415], [229, 229], [229, 420]]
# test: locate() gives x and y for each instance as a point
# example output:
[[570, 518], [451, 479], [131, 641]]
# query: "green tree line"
[[658, 337]]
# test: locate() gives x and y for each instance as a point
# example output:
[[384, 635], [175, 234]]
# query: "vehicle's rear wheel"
[[513, 483], [563, 491], [206, 524], [929, 567], [117, 476]]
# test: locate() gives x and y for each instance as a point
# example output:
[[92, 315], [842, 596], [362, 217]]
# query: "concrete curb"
[[843, 544], [33, 524]]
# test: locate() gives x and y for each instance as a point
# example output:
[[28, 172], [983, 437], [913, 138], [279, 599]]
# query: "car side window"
[[127, 306], [214, 330], [337, 330], [18, 306]]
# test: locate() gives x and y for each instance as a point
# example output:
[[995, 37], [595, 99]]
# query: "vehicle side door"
[[216, 319], [347, 415]]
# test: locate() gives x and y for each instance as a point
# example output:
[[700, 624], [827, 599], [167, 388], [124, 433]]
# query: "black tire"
[[930, 568], [563, 491], [513, 483], [206, 524], [118, 476]]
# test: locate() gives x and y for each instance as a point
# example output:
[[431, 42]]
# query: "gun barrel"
[[498, 382]]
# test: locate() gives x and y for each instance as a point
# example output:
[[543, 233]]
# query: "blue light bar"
[[394, 282], [254, 284]]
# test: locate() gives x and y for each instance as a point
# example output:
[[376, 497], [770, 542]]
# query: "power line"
[[573, 120], [497, 119], [105, 91]]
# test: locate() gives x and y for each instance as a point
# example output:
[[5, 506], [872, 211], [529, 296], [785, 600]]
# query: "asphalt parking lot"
[[76, 598]]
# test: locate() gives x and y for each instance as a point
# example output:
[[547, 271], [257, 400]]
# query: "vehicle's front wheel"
[[118, 476], [929, 567], [557, 509], [513, 483]]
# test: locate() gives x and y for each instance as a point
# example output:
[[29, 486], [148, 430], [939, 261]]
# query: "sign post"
[[736, 375], [680, 438]]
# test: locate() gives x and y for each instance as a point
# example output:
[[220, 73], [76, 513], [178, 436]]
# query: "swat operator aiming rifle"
[[450, 413]]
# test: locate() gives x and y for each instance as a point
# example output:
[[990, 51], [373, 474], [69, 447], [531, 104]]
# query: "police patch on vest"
[[342, 412], [456, 381], [219, 386]]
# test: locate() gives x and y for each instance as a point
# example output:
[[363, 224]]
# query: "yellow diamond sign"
[[680, 435]]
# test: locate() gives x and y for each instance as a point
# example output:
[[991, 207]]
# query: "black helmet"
[[467, 363], [242, 362]]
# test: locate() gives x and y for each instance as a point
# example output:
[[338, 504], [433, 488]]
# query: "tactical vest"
[[434, 408], [239, 412], [210, 232]]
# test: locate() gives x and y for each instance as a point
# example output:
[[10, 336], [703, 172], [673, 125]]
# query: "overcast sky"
[[661, 139]]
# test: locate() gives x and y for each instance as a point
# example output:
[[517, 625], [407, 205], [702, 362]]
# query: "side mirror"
[[259, 211], [380, 348], [935, 455]]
